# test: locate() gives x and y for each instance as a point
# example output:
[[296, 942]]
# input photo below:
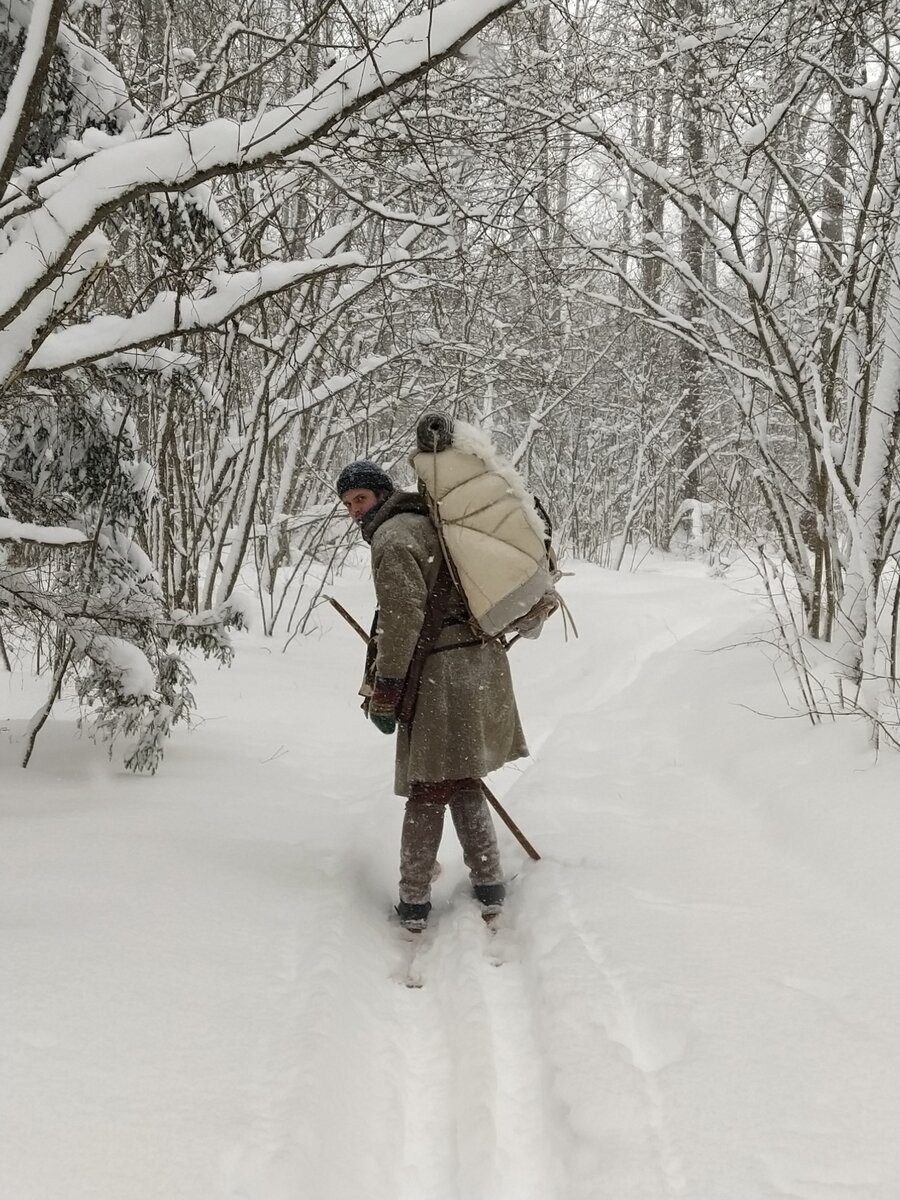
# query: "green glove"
[[383, 703], [385, 724]]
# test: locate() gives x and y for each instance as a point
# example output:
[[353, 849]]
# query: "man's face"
[[358, 501]]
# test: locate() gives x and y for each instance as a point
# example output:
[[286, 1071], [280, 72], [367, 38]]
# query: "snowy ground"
[[694, 995]]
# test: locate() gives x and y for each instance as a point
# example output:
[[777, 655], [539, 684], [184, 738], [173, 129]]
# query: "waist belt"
[[458, 646], [472, 641]]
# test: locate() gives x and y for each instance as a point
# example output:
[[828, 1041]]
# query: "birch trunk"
[[858, 636]]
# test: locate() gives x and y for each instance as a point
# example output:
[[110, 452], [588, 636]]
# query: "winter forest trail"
[[692, 997]]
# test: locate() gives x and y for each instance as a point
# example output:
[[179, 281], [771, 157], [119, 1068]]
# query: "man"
[[465, 722]]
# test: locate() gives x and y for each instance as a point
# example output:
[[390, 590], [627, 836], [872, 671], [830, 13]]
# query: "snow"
[[17, 339], [47, 535], [39, 24], [693, 994], [134, 674], [159, 360], [757, 134], [179, 159], [170, 312]]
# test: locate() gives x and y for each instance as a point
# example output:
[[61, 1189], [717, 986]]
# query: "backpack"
[[495, 535]]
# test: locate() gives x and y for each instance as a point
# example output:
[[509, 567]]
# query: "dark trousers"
[[423, 824]]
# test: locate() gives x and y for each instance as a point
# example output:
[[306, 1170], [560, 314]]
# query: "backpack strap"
[[435, 610]]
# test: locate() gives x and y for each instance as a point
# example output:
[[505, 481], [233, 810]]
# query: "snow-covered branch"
[[173, 313], [21, 99], [44, 535], [74, 204], [34, 324]]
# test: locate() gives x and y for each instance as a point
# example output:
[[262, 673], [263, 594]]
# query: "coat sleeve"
[[402, 593]]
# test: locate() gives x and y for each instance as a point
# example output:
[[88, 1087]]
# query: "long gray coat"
[[466, 722]]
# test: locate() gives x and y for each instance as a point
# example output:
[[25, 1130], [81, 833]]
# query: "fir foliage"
[[71, 459]]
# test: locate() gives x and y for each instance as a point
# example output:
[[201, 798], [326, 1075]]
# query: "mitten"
[[383, 703]]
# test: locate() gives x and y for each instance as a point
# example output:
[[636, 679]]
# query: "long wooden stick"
[[509, 823], [350, 620], [488, 794]]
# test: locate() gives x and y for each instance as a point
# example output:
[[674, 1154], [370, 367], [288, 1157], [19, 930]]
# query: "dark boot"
[[490, 896], [413, 916]]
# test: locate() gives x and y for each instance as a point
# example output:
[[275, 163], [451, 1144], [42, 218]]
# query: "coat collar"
[[392, 506]]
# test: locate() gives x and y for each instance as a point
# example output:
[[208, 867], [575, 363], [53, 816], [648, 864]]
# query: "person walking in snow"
[[464, 724]]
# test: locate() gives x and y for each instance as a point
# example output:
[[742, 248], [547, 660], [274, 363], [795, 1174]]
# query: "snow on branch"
[[157, 361], [309, 398], [74, 203], [25, 89], [125, 662], [173, 313], [758, 133], [45, 535], [23, 334]]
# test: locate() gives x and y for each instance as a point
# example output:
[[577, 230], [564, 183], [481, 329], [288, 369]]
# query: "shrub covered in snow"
[[76, 584]]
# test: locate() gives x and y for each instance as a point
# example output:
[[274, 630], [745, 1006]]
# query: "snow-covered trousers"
[[423, 824]]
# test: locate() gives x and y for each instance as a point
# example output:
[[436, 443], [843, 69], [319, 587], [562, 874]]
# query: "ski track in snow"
[[426, 1116], [477, 1031], [494, 1041], [474, 1071], [600, 1060]]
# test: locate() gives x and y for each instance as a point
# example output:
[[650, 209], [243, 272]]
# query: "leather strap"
[[435, 609]]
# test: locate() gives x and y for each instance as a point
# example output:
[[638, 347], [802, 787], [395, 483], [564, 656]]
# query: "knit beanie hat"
[[363, 474]]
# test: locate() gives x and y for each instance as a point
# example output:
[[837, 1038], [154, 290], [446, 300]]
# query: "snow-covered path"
[[694, 995]]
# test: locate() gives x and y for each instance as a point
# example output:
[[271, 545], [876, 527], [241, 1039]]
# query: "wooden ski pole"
[[488, 794], [510, 823], [350, 620]]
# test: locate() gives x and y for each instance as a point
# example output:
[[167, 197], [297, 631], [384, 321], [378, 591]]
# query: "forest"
[[653, 250], [646, 256]]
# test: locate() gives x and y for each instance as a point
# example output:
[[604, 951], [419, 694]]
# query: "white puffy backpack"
[[495, 541]]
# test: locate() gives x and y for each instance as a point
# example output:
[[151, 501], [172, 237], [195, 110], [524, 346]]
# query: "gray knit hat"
[[363, 474]]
